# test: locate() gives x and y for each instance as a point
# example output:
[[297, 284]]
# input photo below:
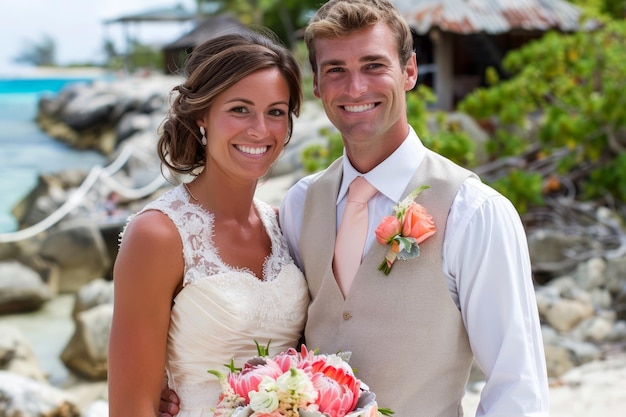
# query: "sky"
[[77, 28]]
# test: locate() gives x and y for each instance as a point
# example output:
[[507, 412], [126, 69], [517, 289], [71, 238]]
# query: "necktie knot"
[[360, 190]]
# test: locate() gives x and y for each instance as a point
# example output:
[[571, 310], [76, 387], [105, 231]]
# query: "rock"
[[87, 351], [565, 314], [21, 288], [548, 248], [95, 293], [16, 354], [98, 408], [558, 360], [24, 397], [80, 251], [595, 329], [616, 274], [591, 274]]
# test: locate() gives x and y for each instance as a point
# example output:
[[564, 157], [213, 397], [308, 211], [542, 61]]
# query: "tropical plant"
[[283, 17], [566, 98], [40, 53]]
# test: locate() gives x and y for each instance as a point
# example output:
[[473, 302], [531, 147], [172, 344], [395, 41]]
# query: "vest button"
[[347, 316]]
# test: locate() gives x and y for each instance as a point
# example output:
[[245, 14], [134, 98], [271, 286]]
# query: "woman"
[[203, 272]]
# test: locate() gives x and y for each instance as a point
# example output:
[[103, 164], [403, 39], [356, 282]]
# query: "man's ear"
[[411, 73], [316, 90]]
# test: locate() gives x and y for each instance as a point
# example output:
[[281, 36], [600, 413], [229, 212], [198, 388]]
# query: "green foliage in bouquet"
[[566, 95]]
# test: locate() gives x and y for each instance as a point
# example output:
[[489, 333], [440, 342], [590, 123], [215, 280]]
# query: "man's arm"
[[487, 253]]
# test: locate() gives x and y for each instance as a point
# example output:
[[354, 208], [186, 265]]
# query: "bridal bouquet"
[[295, 384]]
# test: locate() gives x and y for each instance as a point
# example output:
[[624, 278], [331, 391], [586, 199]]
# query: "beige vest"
[[405, 333]]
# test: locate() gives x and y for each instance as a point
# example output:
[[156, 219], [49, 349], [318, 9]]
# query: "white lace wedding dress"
[[222, 310]]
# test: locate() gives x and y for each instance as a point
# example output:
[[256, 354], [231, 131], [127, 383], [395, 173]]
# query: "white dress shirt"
[[488, 273]]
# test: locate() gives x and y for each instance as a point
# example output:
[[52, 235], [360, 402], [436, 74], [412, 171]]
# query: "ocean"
[[26, 151]]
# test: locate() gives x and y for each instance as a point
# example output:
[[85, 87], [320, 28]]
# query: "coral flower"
[[418, 224], [388, 228]]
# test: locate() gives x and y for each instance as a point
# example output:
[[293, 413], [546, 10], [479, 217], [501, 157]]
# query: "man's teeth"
[[358, 109], [252, 151]]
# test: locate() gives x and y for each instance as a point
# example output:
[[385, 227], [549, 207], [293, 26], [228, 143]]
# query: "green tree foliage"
[[39, 53], [140, 56], [603, 9], [283, 17], [567, 96], [445, 137]]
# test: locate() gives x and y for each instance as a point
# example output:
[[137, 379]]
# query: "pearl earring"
[[203, 133]]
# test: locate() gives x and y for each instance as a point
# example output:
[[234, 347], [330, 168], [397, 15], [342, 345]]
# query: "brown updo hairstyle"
[[210, 69]]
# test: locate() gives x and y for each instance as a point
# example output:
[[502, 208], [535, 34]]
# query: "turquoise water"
[[25, 151]]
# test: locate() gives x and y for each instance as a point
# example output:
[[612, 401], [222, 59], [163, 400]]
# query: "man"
[[469, 293]]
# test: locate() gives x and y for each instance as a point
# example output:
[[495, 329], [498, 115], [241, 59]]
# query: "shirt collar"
[[392, 176]]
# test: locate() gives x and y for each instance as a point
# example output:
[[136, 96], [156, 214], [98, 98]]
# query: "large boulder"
[[21, 396], [78, 248], [21, 288]]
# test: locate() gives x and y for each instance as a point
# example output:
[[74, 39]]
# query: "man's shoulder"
[[296, 194], [302, 185]]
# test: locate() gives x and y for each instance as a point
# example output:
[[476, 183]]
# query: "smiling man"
[[469, 294]]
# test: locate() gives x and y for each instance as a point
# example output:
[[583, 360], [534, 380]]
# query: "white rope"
[[77, 197]]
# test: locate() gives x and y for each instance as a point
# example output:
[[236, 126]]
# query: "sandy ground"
[[596, 389]]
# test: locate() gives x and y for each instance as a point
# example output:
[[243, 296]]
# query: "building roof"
[[489, 16], [170, 14], [212, 26]]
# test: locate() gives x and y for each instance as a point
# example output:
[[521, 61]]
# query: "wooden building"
[[457, 40]]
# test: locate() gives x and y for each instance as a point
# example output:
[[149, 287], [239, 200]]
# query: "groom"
[[469, 293]]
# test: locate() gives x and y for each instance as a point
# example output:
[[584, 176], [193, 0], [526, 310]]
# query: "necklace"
[[189, 191]]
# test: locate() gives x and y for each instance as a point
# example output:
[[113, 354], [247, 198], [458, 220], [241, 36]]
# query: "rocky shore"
[[55, 273]]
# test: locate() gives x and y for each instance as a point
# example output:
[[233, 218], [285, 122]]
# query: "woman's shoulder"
[[151, 227]]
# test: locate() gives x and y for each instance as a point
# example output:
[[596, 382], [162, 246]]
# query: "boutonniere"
[[409, 226]]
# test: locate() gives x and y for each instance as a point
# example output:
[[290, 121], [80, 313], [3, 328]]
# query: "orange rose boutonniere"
[[409, 226]]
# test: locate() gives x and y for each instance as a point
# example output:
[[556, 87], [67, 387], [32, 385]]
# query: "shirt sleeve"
[[290, 216], [489, 273]]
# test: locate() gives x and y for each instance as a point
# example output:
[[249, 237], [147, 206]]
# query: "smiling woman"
[[187, 297]]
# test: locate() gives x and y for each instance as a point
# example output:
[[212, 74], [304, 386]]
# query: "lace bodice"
[[221, 311], [195, 226]]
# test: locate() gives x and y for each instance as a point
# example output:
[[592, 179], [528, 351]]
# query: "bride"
[[203, 272]]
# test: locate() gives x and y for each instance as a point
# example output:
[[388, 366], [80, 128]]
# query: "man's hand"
[[168, 406]]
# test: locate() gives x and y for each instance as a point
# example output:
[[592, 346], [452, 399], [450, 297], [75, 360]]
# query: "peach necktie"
[[352, 233]]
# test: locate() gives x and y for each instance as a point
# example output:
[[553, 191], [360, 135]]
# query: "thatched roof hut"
[[458, 39], [175, 52]]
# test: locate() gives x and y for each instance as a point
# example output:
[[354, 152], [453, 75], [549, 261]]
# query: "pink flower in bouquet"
[[334, 399], [251, 376], [388, 228], [288, 359], [418, 224]]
